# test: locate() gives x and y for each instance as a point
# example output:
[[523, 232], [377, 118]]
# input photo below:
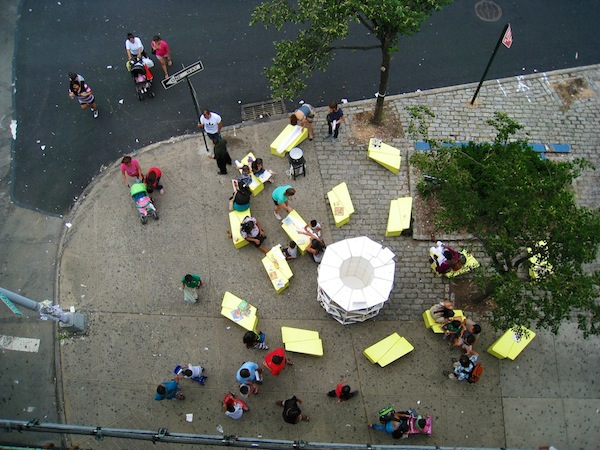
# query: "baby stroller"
[[142, 77], [143, 202]]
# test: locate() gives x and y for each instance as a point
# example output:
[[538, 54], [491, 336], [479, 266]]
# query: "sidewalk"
[[125, 277]]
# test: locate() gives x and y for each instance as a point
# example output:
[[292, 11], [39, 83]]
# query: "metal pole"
[[197, 106], [489, 63]]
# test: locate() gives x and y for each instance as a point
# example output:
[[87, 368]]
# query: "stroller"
[[142, 77], [143, 202]]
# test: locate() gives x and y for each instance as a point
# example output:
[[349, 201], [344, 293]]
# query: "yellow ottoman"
[[509, 345], [235, 221], [290, 137]]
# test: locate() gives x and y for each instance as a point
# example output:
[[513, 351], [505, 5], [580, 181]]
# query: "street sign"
[[182, 74], [10, 304], [507, 39]]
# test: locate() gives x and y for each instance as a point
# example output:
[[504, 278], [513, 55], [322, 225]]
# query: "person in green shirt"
[[190, 284]]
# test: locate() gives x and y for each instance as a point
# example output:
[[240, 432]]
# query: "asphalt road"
[[60, 148]]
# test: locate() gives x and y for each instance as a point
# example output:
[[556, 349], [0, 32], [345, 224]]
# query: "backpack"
[[386, 414], [475, 373]]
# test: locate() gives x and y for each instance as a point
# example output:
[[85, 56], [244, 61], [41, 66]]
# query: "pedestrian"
[[397, 425], [291, 410], [255, 339], [281, 196], [251, 230], [234, 407], [75, 77], [221, 154], [276, 361], [250, 374], [304, 117], [161, 50], [335, 117], [152, 180], [191, 372], [130, 167], [85, 96], [211, 123], [246, 390], [168, 391], [190, 284], [134, 47], [342, 391]]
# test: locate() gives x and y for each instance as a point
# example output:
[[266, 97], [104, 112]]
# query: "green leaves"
[[511, 200]]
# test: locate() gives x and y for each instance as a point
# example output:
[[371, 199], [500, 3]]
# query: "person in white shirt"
[[134, 47], [211, 123]]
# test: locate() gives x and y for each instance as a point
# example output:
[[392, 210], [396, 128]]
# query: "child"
[[342, 392], [234, 407], [191, 372], [291, 251], [452, 330], [255, 340], [313, 229], [190, 284]]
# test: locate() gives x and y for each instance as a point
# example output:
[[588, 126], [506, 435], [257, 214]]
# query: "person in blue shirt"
[[281, 196], [462, 368], [250, 374], [168, 391]]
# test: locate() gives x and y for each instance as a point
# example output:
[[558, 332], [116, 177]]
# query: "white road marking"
[[19, 344]]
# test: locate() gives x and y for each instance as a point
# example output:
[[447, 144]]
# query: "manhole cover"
[[262, 110], [488, 11]]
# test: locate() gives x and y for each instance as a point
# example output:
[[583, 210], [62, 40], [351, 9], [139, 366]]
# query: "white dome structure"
[[355, 279]]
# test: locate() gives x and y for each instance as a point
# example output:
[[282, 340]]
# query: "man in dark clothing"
[[221, 154], [291, 410]]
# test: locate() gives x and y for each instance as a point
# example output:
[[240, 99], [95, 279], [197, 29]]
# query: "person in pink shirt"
[[131, 167], [161, 49]]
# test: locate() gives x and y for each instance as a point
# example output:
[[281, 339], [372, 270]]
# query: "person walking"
[[168, 391], [130, 167], [234, 407], [211, 123], [134, 47], [85, 96], [221, 154], [162, 52], [335, 117], [190, 284], [250, 374], [291, 410], [276, 361], [342, 391], [281, 196]]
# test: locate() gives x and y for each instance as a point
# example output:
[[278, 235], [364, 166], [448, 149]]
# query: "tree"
[[522, 211], [327, 24]]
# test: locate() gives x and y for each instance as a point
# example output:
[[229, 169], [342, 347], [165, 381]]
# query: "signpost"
[[182, 75]]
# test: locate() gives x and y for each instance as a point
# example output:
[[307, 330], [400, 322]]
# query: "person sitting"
[[241, 199], [446, 258], [452, 331], [316, 248], [442, 312], [462, 368], [313, 228], [245, 178], [251, 230], [258, 168], [291, 251]]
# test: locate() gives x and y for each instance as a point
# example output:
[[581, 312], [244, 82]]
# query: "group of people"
[[460, 334], [305, 116], [131, 171]]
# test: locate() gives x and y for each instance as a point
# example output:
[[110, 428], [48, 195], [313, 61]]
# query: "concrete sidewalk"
[[125, 277]]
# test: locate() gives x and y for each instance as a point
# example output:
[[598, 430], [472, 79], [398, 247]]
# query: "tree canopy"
[[325, 25], [523, 212]]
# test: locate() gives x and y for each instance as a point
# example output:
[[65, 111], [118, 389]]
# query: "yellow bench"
[[384, 154], [290, 137], [388, 350], [277, 268], [399, 216], [292, 224], [239, 311], [509, 345], [341, 204], [235, 221], [435, 326], [539, 267], [299, 340]]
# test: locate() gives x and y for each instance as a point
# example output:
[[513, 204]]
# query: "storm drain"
[[488, 11], [262, 110]]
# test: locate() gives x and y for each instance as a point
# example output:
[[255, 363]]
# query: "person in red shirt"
[[276, 361], [152, 180], [342, 392]]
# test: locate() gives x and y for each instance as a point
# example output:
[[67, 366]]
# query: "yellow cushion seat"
[[235, 221], [290, 137]]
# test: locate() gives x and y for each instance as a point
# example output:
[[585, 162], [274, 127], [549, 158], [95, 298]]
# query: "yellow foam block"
[[428, 319], [398, 350], [292, 225], [469, 265], [341, 204], [312, 347], [290, 137], [278, 270], [509, 346], [289, 334], [235, 220], [390, 162], [230, 309], [382, 148], [399, 216], [437, 327], [341, 190], [376, 351]]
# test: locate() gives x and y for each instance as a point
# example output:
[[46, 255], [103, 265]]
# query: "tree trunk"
[[383, 81], [481, 296]]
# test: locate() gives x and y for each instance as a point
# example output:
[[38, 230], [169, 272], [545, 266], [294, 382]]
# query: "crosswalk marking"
[[19, 344]]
